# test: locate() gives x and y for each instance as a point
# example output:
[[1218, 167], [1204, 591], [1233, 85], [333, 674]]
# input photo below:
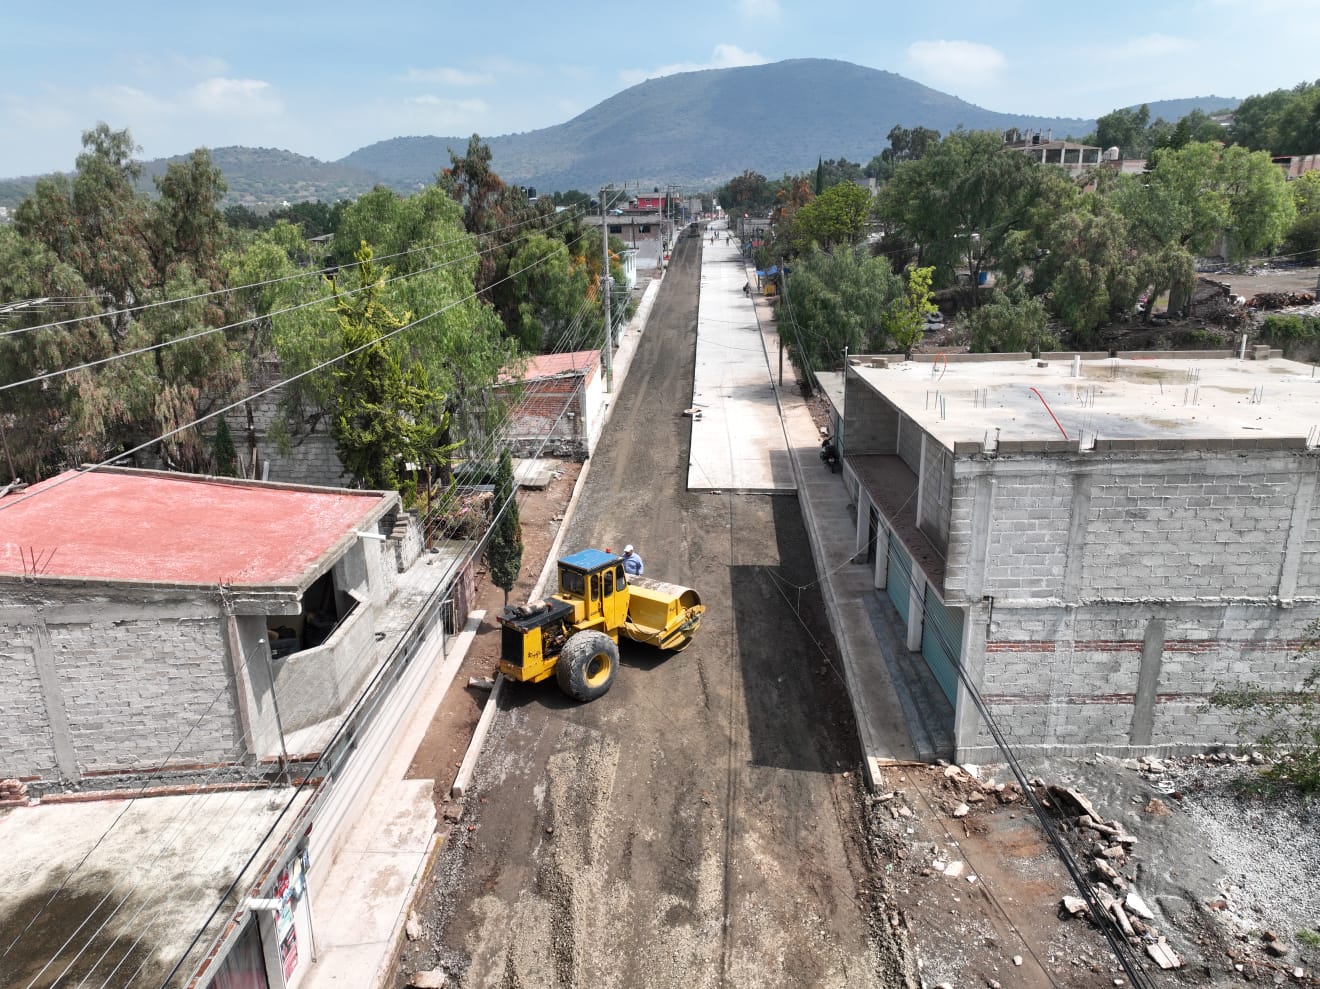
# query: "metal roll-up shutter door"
[[899, 580], [941, 643]]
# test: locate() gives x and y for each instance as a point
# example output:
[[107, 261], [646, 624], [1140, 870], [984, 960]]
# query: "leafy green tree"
[[1124, 128], [960, 203], [1284, 723], [504, 553], [188, 227], [749, 192], [837, 216], [905, 316], [837, 300], [223, 454], [1303, 237], [1282, 122], [555, 288], [385, 416], [1009, 324]]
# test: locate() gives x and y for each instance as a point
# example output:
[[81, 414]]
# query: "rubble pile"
[[1280, 300]]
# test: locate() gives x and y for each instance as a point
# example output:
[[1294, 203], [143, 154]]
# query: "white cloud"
[[447, 76], [723, 57], [128, 102], [442, 112], [1151, 46], [153, 65], [759, 9], [219, 95], [961, 64]]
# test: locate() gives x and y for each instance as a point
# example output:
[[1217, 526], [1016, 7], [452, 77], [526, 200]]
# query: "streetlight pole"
[[608, 353]]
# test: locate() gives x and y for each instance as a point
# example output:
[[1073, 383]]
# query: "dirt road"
[[701, 824]]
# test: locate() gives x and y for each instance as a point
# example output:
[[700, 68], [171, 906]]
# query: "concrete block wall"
[[872, 421], [1129, 678], [123, 693], [317, 684], [1137, 525], [909, 443], [936, 494], [27, 745]]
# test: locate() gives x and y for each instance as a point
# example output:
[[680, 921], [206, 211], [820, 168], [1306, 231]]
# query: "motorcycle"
[[829, 456]]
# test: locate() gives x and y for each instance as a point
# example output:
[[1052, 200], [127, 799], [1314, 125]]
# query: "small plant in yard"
[[1284, 724], [1309, 938]]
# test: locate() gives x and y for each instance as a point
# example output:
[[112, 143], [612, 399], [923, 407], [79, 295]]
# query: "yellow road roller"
[[574, 634]]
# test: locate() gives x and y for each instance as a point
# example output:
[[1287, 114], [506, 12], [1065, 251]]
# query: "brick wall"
[[909, 443]]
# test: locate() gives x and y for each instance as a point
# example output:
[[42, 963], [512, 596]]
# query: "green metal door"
[[941, 643], [899, 580]]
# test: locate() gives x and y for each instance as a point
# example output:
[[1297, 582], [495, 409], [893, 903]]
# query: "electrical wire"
[[210, 331], [465, 239]]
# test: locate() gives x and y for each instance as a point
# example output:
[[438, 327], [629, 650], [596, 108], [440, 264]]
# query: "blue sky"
[[325, 78]]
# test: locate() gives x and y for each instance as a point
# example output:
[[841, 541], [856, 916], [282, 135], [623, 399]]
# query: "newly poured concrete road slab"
[[738, 441]]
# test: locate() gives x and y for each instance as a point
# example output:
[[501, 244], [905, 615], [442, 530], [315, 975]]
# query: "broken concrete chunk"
[[961, 810], [1074, 802], [1075, 906], [1277, 948], [1163, 956], [431, 979], [413, 927], [1135, 904], [954, 869], [1121, 919]]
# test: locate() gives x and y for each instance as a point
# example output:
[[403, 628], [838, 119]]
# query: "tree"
[[504, 553], [749, 192], [1009, 324], [1125, 129], [384, 416], [1284, 722], [1303, 238], [1282, 122], [555, 288], [836, 302], [905, 317], [837, 216], [961, 203], [223, 455]]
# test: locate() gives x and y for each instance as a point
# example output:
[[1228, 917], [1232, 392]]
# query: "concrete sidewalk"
[[883, 683]]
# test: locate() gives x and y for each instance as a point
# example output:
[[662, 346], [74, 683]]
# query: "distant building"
[[1295, 166], [1072, 157]]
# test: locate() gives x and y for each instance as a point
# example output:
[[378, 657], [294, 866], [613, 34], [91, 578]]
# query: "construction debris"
[[1163, 956]]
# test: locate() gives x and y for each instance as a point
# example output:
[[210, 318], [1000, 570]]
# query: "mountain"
[[695, 129]]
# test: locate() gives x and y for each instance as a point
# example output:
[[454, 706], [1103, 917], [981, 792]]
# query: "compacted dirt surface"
[[704, 823], [699, 825]]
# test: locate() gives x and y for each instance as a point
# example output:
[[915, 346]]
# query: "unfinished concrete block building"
[[1093, 542]]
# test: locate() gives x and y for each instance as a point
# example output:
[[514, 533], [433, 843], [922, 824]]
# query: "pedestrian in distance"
[[632, 563]]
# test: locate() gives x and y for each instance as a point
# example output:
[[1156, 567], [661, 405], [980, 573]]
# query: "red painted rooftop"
[[180, 529], [549, 365]]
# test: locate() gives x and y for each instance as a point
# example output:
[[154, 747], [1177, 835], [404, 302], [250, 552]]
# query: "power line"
[[271, 281], [49, 375]]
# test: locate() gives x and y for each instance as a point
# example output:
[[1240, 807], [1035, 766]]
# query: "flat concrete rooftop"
[[112, 892], [984, 402], [175, 528]]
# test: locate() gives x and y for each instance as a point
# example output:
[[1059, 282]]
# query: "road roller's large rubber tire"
[[587, 665]]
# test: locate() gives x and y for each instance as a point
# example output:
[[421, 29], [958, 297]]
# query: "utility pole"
[[608, 353]]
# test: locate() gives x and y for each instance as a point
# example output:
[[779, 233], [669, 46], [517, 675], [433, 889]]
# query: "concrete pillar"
[[1148, 680], [881, 572], [43, 654], [863, 524], [1077, 523], [966, 718], [979, 538], [921, 482], [916, 601], [1296, 542]]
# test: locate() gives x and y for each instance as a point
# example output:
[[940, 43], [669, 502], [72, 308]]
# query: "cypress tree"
[[505, 550], [223, 454]]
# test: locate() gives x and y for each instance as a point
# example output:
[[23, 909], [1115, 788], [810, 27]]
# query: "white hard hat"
[[627, 549]]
